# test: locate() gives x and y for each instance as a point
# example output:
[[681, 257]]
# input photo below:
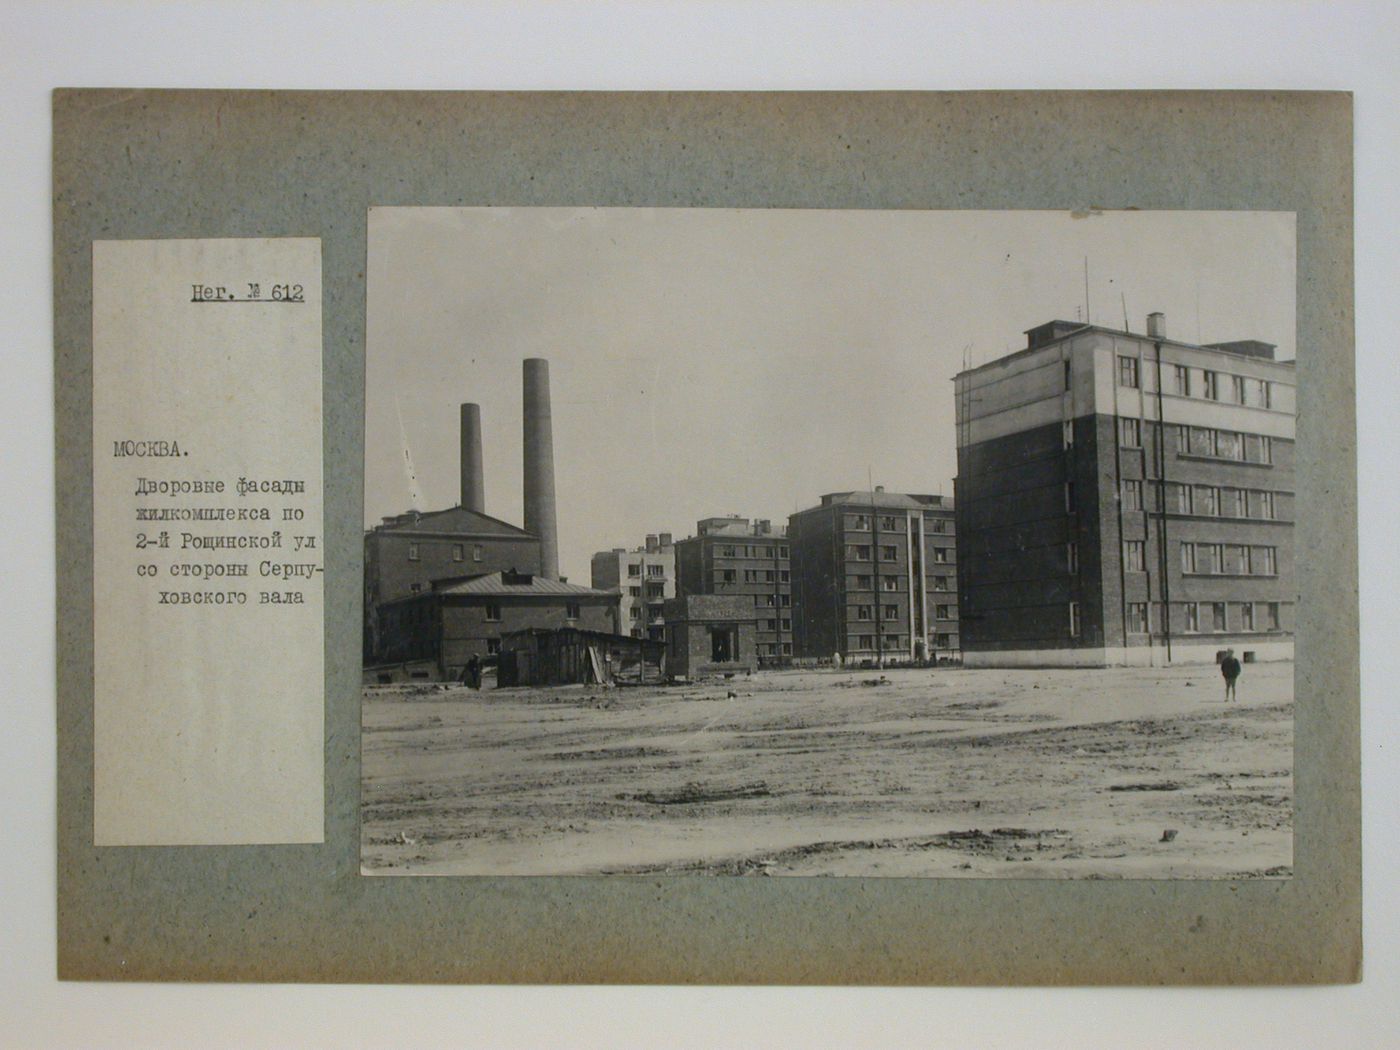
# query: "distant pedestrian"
[[471, 674], [1230, 670]]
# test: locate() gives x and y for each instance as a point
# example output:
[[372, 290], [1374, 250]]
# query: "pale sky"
[[718, 361]]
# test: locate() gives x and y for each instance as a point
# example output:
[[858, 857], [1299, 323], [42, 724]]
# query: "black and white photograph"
[[782, 542]]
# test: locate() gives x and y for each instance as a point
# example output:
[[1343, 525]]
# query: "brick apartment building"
[[875, 577], [736, 556], [1125, 499]]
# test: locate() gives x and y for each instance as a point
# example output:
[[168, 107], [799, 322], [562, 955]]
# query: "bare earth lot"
[[928, 773]]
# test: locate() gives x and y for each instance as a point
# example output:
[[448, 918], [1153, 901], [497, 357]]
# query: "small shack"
[[711, 634], [571, 656]]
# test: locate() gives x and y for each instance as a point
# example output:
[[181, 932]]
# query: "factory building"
[[438, 632], [646, 578], [1125, 499], [875, 577], [738, 557], [411, 554]]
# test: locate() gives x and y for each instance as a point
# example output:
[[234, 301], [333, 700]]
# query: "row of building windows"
[[1206, 500], [459, 552], [891, 523], [1229, 559], [1194, 617], [766, 550], [1202, 442], [731, 576], [654, 590], [775, 625], [1213, 385], [493, 611], [891, 583], [774, 649], [635, 569]]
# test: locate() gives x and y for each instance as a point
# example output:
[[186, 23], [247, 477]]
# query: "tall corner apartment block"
[[646, 578], [1125, 499], [736, 556], [875, 577]]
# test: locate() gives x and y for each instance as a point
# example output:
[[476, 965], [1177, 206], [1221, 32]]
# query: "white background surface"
[[835, 45]]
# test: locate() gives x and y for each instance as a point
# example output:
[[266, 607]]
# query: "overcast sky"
[[713, 361]]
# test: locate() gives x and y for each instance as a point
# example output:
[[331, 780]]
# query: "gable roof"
[[452, 521]]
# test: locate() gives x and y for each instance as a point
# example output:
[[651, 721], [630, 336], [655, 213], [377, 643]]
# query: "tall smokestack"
[[540, 517], [473, 484]]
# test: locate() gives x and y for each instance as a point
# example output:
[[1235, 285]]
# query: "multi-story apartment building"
[[1125, 499], [646, 576], [875, 577], [736, 556]]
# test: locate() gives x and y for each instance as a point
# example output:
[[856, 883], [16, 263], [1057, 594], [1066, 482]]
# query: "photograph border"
[[148, 164]]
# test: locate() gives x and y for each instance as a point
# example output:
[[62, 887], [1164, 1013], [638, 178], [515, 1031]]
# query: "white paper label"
[[209, 676]]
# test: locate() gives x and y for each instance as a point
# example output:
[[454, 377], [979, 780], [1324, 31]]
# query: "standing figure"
[[471, 675], [1230, 670]]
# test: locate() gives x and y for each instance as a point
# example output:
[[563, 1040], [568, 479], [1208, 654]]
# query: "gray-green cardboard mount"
[[155, 164]]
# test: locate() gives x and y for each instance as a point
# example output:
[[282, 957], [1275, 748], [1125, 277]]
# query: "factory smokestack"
[[540, 517], [473, 484]]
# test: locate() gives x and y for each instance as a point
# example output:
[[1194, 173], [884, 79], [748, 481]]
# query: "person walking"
[[1230, 670]]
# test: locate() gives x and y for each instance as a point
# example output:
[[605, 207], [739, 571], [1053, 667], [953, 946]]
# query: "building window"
[[1229, 445], [1237, 389], [889, 612], [940, 555], [1266, 450], [656, 590], [782, 552], [1069, 433], [1069, 497], [1182, 379], [786, 624], [1072, 558], [1266, 505], [1205, 500], [476, 552], [865, 612], [493, 611], [413, 552], [865, 641], [1127, 371], [1193, 618], [1263, 561], [728, 576], [1247, 616], [493, 646], [1188, 558], [1232, 503], [1184, 503], [634, 569], [858, 523], [1067, 374], [415, 588], [1211, 385], [943, 612], [1133, 557], [889, 583], [1217, 617], [858, 551], [940, 525], [458, 552], [784, 576], [940, 583], [571, 610], [1130, 433], [634, 613], [1132, 495], [865, 583], [656, 570], [1137, 617], [1074, 624], [1266, 394], [889, 552], [634, 592], [1183, 438], [943, 641], [1271, 616], [887, 523]]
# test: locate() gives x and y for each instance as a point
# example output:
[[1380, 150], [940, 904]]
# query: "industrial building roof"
[[887, 500], [503, 583], [452, 521]]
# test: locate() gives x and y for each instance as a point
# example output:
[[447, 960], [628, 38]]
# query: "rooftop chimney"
[[665, 539], [473, 486], [540, 516], [652, 544], [1157, 325]]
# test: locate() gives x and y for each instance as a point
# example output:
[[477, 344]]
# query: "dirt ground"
[[1141, 773]]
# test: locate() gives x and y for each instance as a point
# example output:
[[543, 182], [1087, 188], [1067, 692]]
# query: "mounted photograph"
[[778, 542]]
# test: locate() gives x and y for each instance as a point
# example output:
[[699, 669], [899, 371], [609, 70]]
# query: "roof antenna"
[[415, 497], [1122, 295]]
